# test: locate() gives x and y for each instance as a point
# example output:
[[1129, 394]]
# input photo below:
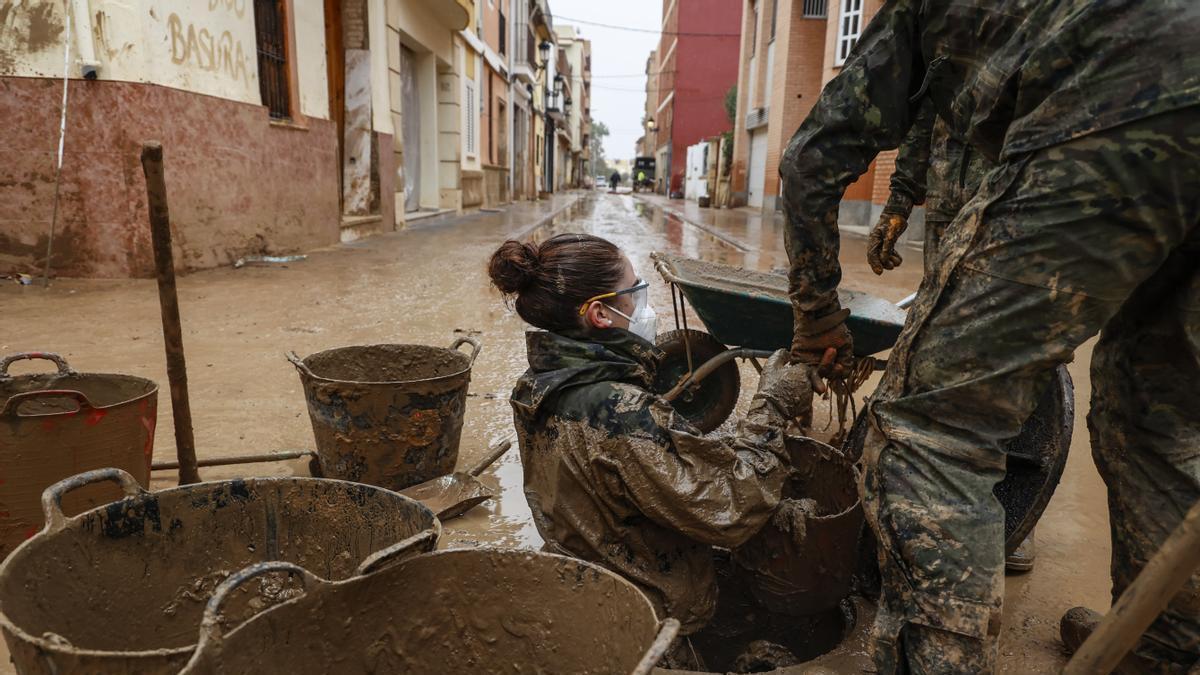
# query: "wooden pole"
[[1142, 601], [164, 263]]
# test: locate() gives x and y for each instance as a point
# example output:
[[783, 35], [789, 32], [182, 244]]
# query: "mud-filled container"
[[802, 562], [122, 588], [481, 610], [55, 425], [389, 415]]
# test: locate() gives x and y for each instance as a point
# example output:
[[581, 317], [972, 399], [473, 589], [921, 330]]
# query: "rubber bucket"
[[122, 588], [388, 415], [56, 425], [802, 562], [483, 610]]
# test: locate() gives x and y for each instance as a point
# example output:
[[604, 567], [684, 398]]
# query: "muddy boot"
[[1079, 622], [1021, 560]]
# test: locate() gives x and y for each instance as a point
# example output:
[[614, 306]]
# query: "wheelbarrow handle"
[[210, 625], [476, 345], [667, 631], [63, 368], [14, 402], [52, 497], [421, 542]]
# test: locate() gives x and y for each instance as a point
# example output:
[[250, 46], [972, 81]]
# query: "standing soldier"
[[1088, 222], [937, 168]]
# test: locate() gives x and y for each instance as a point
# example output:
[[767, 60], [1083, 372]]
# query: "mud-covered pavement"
[[427, 283]]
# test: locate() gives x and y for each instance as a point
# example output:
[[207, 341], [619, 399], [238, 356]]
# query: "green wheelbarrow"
[[751, 312]]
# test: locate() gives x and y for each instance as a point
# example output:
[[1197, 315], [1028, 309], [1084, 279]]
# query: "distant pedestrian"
[[614, 180]]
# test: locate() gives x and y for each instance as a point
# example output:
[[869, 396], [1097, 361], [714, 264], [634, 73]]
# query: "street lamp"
[[567, 106], [544, 49], [650, 125]]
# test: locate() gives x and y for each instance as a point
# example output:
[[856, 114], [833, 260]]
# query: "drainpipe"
[[81, 16]]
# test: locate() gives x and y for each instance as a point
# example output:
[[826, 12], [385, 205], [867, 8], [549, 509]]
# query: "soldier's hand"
[[881, 244], [826, 345], [789, 385]]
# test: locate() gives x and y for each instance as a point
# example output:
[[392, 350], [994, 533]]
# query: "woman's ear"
[[598, 316]]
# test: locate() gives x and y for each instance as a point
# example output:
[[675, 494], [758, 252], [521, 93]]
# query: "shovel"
[[452, 495]]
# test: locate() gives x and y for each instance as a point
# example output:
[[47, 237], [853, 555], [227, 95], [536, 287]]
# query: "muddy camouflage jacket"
[[614, 476], [1008, 77]]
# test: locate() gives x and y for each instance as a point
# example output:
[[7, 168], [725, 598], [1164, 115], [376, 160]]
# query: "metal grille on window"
[[272, 57], [470, 119], [815, 9], [849, 28]]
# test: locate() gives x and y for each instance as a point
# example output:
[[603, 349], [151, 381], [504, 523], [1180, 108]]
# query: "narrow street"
[[426, 283]]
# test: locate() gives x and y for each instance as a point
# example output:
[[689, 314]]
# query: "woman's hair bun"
[[514, 266]]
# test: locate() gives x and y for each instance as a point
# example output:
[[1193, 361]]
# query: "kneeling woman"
[[612, 474]]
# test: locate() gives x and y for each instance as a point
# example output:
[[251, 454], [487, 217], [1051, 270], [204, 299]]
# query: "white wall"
[[203, 46], [311, 68]]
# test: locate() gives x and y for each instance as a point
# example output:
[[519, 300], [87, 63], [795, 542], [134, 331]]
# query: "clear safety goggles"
[[639, 299]]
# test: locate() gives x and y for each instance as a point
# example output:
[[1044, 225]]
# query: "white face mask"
[[644, 321]]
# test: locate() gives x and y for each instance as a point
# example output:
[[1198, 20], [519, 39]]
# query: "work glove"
[[824, 343], [881, 244], [789, 386]]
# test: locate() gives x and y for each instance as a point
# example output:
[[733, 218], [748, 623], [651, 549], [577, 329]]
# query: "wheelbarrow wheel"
[[1036, 458], [708, 403]]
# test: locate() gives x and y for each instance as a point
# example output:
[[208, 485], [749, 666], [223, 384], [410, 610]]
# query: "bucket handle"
[[667, 631], [476, 346], [421, 542], [53, 496], [63, 368], [210, 626], [14, 402], [299, 363]]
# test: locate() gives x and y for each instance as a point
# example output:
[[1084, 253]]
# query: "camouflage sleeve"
[[864, 110], [718, 491], [912, 163]]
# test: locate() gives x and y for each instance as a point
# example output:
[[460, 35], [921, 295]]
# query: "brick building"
[[789, 50], [697, 65]]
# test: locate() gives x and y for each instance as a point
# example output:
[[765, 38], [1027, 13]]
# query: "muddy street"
[[428, 285]]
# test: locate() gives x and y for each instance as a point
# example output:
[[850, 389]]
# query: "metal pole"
[[240, 459], [1142, 601], [164, 263], [62, 138]]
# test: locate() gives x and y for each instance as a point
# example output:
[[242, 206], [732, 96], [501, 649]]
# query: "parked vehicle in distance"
[[642, 176]]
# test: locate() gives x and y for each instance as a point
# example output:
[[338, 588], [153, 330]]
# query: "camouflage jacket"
[[614, 476], [936, 167], [1008, 77]]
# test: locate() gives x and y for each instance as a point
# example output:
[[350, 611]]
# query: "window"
[[849, 28], [814, 9], [503, 35], [754, 28], [774, 12], [273, 71], [471, 123]]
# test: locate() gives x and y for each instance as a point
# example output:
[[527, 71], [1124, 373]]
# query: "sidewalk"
[[720, 220], [760, 237]]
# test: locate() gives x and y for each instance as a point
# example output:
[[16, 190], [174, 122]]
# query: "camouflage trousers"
[[1099, 234]]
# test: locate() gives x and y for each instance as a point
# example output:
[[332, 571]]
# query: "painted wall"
[[202, 46], [707, 67], [237, 184]]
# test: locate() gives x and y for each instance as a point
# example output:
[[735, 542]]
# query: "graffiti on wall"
[[210, 50]]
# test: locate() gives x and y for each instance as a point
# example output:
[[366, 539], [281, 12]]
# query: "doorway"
[[410, 129]]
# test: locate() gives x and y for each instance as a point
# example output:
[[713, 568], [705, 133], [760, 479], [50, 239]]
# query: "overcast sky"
[[617, 101]]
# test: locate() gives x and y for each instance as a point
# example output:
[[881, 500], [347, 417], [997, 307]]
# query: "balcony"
[[454, 14]]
